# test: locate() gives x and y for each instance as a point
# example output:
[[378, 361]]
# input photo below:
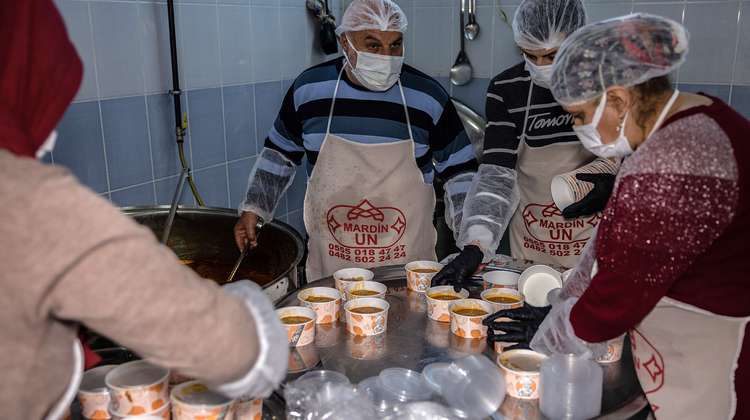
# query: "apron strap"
[[526, 113], [333, 100], [406, 110], [336, 91]]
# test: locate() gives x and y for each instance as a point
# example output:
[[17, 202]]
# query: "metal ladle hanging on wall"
[[461, 70], [471, 31]]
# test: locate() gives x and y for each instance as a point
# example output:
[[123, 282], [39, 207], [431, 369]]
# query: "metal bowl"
[[203, 238]]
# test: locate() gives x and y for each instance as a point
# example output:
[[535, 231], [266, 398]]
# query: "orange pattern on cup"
[[94, 405], [325, 312], [137, 400], [420, 282], [183, 410], [307, 334], [367, 324], [439, 310], [469, 326], [248, 410]]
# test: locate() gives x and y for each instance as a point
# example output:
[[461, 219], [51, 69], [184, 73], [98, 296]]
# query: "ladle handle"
[[461, 24], [173, 207]]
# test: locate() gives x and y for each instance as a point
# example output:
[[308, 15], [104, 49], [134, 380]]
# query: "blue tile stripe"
[[132, 143]]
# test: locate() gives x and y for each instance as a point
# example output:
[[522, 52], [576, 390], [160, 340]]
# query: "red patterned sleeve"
[[654, 227]]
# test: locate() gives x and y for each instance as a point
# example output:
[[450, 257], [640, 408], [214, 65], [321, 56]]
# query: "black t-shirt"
[[509, 104]]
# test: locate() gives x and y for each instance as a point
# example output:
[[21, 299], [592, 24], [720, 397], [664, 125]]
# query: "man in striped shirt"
[[383, 120], [528, 140]]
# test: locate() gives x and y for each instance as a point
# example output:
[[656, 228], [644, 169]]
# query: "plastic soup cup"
[[439, 300], [299, 323], [467, 316], [502, 299], [419, 274], [93, 395], [614, 351], [362, 289], [137, 388], [325, 301], [248, 409], [163, 413], [500, 279], [521, 369], [367, 316], [348, 276], [194, 401]]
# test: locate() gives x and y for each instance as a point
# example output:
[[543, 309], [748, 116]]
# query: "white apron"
[[685, 358], [538, 231], [367, 205]]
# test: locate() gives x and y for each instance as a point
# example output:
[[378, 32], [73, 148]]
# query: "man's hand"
[[517, 325], [246, 230], [459, 271], [596, 200]]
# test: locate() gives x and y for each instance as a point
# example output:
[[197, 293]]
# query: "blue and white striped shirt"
[[440, 142]]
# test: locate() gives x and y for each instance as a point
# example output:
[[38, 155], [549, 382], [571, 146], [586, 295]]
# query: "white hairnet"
[[544, 24], [623, 51], [380, 15]]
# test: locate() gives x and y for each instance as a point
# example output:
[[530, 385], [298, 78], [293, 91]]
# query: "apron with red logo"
[[538, 231], [685, 358], [367, 205]]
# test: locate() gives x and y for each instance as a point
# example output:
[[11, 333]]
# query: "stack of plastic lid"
[[405, 385], [473, 386]]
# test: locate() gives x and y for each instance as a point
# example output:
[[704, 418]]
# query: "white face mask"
[[592, 140], [48, 145], [541, 75], [375, 71]]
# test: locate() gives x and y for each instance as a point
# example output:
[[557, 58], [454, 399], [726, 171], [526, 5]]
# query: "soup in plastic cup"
[[467, 316], [347, 276], [439, 300], [363, 289], [419, 274], [299, 323], [522, 372], [194, 401], [325, 301], [366, 316], [137, 388]]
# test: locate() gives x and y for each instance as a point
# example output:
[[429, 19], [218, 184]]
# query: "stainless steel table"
[[413, 341]]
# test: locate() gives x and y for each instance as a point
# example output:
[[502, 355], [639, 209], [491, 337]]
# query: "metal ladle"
[[461, 70], [471, 30]]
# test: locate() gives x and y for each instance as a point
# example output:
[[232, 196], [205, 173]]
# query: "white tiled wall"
[[237, 57]]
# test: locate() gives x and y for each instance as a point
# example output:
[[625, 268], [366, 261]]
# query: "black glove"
[[459, 271], [595, 200], [525, 322]]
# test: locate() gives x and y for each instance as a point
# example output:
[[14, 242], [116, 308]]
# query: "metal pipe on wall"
[[179, 118]]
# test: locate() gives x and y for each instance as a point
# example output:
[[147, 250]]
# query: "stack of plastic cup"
[[93, 395], [137, 388], [570, 387]]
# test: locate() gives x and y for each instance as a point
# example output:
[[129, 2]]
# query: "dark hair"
[[648, 94]]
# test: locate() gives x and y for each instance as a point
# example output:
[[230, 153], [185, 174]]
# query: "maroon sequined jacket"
[[677, 225]]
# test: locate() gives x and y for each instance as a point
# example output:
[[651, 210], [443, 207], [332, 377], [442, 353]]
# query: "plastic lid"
[[473, 386], [426, 410], [536, 282], [383, 400], [323, 376], [405, 384], [436, 374]]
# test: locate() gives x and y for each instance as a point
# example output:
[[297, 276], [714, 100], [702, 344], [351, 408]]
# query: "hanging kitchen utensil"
[[328, 40], [471, 31], [461, 70]]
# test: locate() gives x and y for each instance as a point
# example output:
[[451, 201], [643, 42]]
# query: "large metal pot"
[[203, 238]]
